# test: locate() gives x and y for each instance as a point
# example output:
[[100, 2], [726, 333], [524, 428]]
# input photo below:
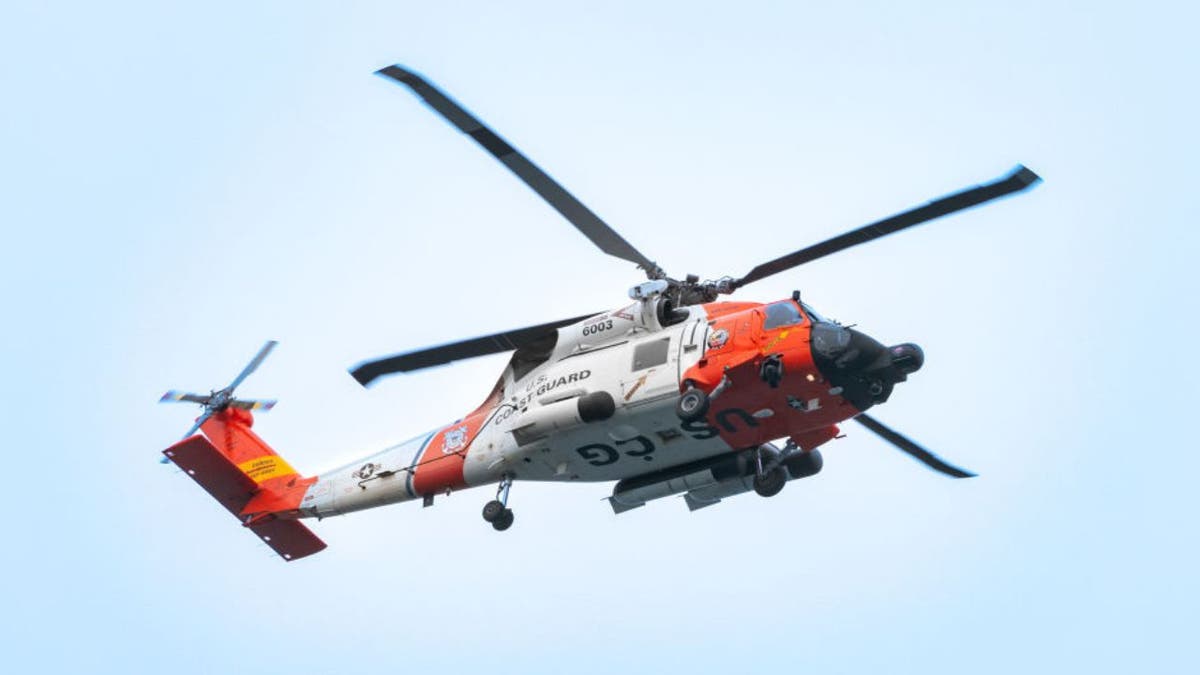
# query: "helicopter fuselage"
[[601, 406], [674, 394]]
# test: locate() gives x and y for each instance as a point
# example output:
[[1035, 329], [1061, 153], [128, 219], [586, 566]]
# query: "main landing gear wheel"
[[770, 483], [804, 464], [692, 405], [770, 478]]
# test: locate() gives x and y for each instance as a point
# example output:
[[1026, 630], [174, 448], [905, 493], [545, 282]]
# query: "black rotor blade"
[[912, 449], [1020, 179], [506, 341], [556, 195]]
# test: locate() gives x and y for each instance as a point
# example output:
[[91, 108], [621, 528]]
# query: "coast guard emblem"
[[454, 440]]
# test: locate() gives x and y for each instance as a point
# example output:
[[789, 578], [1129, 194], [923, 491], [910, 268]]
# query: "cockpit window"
[[813, 315], [784, 313]]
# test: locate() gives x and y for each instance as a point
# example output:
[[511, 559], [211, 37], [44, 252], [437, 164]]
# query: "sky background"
[[181, 184]]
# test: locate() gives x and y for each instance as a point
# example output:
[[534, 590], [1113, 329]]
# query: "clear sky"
[[182, 182]]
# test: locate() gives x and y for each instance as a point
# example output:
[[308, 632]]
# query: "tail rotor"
[[221, 399]]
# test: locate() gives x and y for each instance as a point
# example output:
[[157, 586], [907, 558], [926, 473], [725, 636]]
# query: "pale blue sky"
[[181, 184]]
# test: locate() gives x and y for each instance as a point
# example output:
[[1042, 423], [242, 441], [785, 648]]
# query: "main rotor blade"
[[556, 195], [912, 449], [253, 365], [1020, 179], [506, 341], [173, 396]]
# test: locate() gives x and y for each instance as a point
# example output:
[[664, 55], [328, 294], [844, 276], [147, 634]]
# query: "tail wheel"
[[503, 521], [493, 510], [692, 405]]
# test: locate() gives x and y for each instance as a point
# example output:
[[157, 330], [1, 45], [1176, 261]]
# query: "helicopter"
[[675, 393]]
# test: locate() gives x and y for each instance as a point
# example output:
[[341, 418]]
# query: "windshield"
[[813, 315], [784, 313]]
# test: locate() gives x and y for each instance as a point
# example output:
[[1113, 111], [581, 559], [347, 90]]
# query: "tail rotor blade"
[[199, 421], [253, 365], [182, 397], [907, 446], [252, 405]]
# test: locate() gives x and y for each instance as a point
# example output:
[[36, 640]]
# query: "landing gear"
[[496, 511], [771, 483], [769, 480], [493, 510], [504, 522], [803, 464], [692, 405]]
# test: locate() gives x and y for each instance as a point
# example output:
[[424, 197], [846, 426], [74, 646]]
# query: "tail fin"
[[250, 480], [229, 430]]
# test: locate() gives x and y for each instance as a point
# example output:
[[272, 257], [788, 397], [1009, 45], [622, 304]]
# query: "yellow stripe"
[[265, 468], [777, 340]]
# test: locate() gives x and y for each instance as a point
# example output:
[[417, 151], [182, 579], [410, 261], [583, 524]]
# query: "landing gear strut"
[[496, 511]]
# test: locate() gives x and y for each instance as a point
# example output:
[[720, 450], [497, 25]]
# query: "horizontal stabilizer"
[[289, 538], [222, 479]]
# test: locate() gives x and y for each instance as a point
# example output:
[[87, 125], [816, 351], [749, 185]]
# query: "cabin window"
[[784, 313], [650, 354]]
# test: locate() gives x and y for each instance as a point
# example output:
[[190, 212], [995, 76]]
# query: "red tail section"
[[250, 480]]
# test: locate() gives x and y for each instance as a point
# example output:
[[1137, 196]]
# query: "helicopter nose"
[[860, 367]]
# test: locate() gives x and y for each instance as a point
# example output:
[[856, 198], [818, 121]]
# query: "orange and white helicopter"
[[675, 393]]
